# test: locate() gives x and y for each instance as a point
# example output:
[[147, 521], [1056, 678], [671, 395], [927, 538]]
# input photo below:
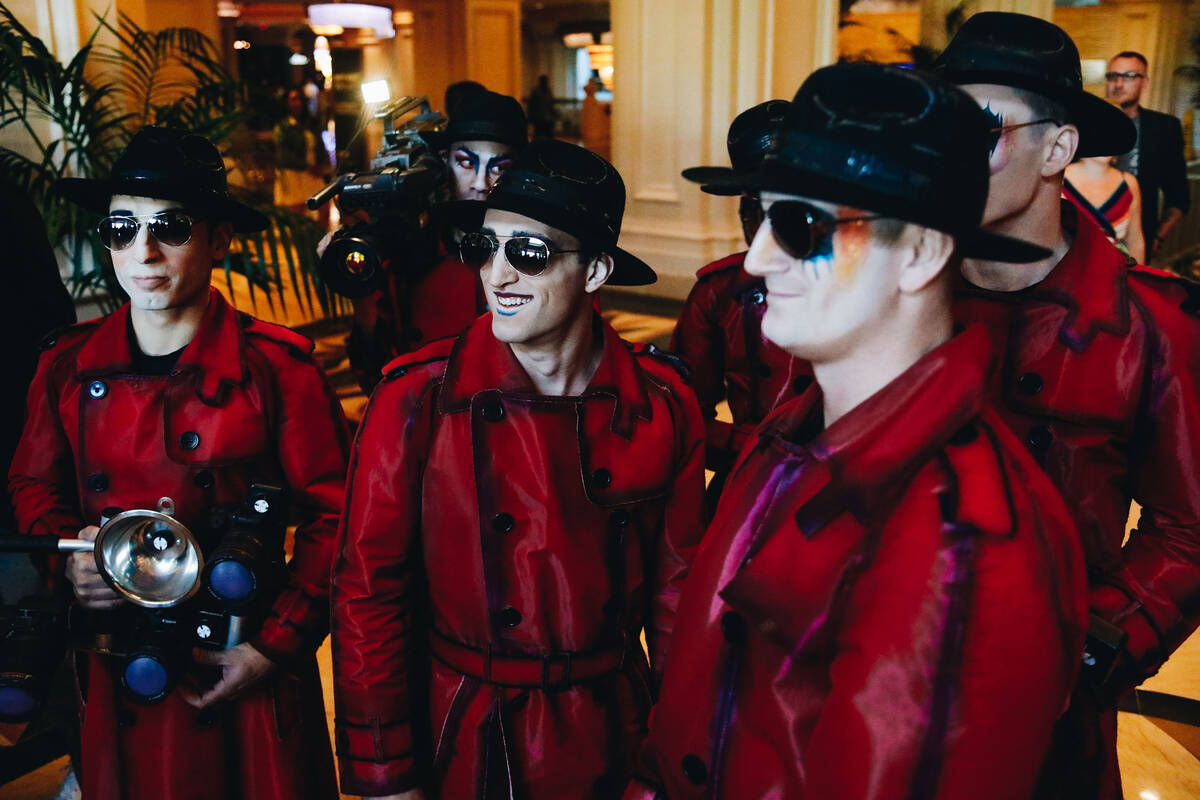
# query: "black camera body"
[[33, 641], [241, 578], [407, 178]]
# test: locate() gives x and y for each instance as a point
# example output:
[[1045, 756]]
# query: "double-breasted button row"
[[492, 410], [97, 389], [694, 769], [758, 297], [204, 479], [602, 478], [1030, 383], [97, 482], [1040, 438], [189, 440], [510, 617], [503, 522]]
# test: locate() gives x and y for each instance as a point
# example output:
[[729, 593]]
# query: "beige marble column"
[[683, 70], [456, 40]]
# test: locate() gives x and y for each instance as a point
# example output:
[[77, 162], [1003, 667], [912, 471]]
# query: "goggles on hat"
[[803, 231], [528, 255], [118, 231]]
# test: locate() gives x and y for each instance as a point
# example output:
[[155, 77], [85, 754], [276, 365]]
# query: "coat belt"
[[554, 670]]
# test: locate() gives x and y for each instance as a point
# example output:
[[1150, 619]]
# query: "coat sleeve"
[[682, 526], [1174, 179], [699, 340], [372, 597], [933, 693], [313, 450], [1153, 594]]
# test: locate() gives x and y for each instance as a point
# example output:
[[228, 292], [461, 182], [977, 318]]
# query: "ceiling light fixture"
[[353, 15]]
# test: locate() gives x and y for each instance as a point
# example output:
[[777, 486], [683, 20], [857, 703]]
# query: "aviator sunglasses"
[[118, 231], [528, 255], [802, 230]]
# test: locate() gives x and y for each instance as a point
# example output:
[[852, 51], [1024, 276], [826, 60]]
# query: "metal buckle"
[[563, 657]]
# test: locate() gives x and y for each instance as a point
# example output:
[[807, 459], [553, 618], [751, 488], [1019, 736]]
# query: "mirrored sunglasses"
[[118, 231], [528, 255], [804, 231]]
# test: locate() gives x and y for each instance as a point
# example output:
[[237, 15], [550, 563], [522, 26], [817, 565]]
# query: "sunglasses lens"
[[527, 256], [117, 233], [475, 249], [797, 229], [171, 228]]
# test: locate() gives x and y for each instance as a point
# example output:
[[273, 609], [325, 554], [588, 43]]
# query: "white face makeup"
[[818, 307], [476, 166], [538, 309], [159, 276]]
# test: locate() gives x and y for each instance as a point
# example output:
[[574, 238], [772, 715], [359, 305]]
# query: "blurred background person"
[[1113, 200]]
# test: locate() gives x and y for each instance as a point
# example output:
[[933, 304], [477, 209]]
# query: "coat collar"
[[479, 363], [214, 358], [1090, 283], [862, 462]]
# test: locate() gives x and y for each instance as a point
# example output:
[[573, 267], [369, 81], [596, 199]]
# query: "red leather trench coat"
[[1101, 380], [892, 609], [244, 404], [719, 336], [544, 533]]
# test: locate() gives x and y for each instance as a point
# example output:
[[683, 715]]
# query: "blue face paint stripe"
[[997, 122]]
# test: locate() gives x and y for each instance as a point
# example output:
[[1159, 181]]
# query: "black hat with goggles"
[[889, 141], [566, 187]]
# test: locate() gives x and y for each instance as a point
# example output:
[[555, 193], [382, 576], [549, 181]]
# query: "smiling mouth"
[[509, 304]]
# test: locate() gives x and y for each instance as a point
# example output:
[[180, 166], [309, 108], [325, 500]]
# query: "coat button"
[[733, 627], [964, 435], [97, 482], [801, 383], [510, 617], [758, 297], [492, 410], [694, 769], [763, 371], [204, 479], [1029, 383], [189, 440], [602, 478], [619, 518], [98, 389], [1040, 438], [503, 522]]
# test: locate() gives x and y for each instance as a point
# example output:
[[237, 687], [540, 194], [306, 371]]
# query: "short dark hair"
[[887, 230], [1043, 107], [1132, 54]]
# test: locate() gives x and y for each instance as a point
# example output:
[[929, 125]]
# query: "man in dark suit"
[[1157, 158]]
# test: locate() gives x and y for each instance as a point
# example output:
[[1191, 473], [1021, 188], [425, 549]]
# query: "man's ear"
[[1060, 150], [598, 272], [220, 235], [926, 252]]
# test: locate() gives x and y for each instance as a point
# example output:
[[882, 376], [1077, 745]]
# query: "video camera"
[[178, 598], [407, 178]]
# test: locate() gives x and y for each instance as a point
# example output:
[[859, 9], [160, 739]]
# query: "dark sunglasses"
[[119, 231], [528, 255], [802, 230], [1113, 77]]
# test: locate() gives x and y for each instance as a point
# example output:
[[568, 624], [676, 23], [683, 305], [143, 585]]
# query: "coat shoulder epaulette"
[[431, 358], [1172, 288], [729, 262], [646, 350], [69, 334], [280, 335]]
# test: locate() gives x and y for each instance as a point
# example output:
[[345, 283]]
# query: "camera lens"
[[352, 265], [232, 581], [17, 701], [147, 677]]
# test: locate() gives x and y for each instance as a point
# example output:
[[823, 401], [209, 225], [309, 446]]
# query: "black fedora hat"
[[483, 116], [751, 135], [890, 141], [167, 164], [570, 188], [1029, 53]]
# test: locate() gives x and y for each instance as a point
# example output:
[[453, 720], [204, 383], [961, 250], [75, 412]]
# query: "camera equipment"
[[407, 178], [155, 562], [33, 636]]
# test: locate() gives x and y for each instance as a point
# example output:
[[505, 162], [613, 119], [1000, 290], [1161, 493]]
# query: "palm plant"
[[95, 102]]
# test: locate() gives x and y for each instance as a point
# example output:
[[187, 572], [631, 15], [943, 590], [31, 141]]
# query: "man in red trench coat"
[[178, 395], [537, 485], [719, 330], [1099, 373], [889, 602]]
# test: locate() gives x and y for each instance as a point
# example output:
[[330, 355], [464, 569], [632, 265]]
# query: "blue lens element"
[[231, 580], [16, 702], [146, 677]]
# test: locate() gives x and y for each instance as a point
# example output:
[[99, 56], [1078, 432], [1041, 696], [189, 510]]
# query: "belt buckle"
[[548, 660]]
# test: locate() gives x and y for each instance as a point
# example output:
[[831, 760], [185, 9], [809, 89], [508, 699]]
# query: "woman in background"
[[1112, 198]]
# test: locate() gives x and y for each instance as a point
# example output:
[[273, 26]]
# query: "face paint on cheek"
[[852, 243], [999, 153]]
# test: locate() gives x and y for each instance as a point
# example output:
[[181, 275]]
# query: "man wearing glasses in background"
[[889, 602], [1100, 377], [524, 501], [1157, 158], [178, 395]]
